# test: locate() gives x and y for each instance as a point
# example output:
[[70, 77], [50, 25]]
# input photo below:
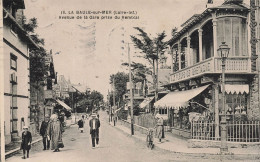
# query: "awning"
[[179, 98], [236, 88], [63, 104], [146, 101]]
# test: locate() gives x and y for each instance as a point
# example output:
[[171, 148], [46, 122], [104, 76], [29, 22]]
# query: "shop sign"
[[192, 71]]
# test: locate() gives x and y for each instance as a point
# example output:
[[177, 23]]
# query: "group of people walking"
[[94, 125], [51, 131]]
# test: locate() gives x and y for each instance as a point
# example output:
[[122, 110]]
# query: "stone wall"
[[254, 109]]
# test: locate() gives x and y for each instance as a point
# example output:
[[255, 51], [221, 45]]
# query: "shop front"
[[182, 106]]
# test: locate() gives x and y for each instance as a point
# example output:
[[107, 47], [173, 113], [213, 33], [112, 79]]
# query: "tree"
[[91, 100], [120, 80], [139, 70], [153, 49], [38, 69]]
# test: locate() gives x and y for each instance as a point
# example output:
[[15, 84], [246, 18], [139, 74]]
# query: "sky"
[[90, 50]]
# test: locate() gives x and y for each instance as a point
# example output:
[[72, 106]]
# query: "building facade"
[[195, 83], [42, 95], [16, 70]]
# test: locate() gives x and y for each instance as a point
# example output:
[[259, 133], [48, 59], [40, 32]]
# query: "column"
[[215, 94], [171, 54], [200, 44], [188, 51], [179, 54], [215, 39]]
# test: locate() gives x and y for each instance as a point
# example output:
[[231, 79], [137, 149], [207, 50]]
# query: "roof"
[[80, 88], [27, 36], [190, 19], [198, 17], [163, 76]]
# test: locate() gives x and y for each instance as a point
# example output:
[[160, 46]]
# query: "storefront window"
[[236, 105]]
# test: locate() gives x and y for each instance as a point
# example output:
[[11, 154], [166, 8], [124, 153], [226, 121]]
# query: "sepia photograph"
[[130, 80]]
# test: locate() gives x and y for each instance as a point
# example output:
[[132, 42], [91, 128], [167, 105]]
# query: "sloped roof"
[[80, 88]]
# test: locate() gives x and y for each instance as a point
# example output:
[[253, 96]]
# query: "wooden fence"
[[237, 131]]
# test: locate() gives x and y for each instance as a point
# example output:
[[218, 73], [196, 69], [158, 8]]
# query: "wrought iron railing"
[[237, 131]]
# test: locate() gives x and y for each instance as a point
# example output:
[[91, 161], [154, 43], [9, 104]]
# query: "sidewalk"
[[14, 147], [180, 145]]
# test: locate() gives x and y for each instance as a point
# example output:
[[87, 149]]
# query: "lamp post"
[[223, 52]]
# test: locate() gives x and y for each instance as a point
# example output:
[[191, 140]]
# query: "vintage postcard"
[[130, 80]]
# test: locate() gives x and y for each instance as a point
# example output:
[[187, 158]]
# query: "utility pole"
[[131, 92], [114, 99]]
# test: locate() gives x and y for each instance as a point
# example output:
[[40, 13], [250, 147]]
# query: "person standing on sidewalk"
[[159, 129], [43, 132], [54, 132], [94, 125], [26, 141], [81, 125]]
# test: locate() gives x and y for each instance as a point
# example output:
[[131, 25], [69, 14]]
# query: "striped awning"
[[63, 104], [179, 99], [146, 101]]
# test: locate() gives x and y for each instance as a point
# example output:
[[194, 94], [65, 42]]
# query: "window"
[[162, 111], [236, 104], [232, 30], [13, 62]]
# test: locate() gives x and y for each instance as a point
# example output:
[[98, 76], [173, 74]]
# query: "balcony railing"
[[234, 65]]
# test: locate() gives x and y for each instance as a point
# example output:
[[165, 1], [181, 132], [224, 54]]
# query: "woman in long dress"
[[55, 132]]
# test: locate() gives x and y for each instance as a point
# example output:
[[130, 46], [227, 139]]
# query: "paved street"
[[114, 146]]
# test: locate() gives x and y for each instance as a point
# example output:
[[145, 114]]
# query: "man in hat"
[[43, 132], [94, 125]]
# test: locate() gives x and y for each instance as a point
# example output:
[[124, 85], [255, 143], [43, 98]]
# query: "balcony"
[[234, 65]]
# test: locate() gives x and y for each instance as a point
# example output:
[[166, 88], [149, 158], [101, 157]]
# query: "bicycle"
[[149, 138]]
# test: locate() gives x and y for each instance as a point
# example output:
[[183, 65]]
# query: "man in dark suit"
[[94, 125], [43, 132]]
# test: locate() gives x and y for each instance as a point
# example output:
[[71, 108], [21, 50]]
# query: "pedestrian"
[[81, 125], [94, 125], [26, 141], [159, 129], [83, 117], [43, 132], [55, 132]]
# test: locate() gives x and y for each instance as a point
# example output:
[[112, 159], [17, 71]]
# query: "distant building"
[[17, 45], [62, 88]]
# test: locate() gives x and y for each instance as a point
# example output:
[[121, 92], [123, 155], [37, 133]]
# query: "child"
[[81, 125], [26, 141]]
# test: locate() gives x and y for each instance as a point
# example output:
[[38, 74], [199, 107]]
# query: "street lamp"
[[223, 53]]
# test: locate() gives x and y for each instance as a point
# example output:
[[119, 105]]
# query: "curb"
[[138, 139], [14, 151], [192, 154]]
